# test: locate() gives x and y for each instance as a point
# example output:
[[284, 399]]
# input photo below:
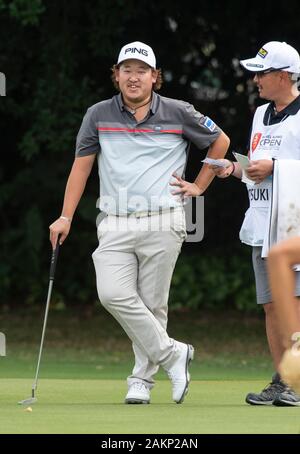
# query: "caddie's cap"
[[274, 55]]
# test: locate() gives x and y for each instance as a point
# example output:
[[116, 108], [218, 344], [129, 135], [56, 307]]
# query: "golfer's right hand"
[[222, 172], [59, 227]]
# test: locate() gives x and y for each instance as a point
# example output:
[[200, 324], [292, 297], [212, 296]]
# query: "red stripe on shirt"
[[170, 131]]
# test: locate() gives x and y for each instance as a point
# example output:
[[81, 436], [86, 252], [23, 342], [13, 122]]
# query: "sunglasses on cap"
[[270, 70]]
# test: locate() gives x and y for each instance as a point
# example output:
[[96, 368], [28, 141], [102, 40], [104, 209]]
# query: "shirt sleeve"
[[198, 128], [87, 141]]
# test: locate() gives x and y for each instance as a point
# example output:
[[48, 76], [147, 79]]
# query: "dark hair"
[[156, 86]]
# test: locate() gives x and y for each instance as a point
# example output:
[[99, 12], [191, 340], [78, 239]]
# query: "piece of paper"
[[242, 159], [244, 163], [214, 162]]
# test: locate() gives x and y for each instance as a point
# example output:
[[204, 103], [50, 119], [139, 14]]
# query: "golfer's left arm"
[[217, 150]]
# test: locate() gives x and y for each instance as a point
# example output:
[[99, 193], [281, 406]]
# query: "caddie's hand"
[[259, 170], [222, 172], [184, 188], [59, 227]]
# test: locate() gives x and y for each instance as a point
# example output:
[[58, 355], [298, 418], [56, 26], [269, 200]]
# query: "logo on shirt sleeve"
[[209, 124]]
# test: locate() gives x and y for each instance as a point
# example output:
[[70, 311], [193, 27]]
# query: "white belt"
[[143, 214]]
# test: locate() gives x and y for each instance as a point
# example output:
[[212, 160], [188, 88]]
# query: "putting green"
[[96, 406]]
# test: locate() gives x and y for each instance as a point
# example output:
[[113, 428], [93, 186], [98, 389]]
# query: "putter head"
[[29, 401]]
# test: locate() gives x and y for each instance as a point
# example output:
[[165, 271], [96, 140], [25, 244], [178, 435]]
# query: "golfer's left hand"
[[184, 188], [259, 170]]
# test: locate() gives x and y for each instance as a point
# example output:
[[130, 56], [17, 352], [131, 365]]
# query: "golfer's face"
[[135, 80]]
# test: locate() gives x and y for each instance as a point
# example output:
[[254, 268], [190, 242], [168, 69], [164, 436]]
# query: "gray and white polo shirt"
[[136, 159]]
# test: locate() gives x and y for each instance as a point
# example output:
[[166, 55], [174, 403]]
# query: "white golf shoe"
[[178, 371], [138, 393]]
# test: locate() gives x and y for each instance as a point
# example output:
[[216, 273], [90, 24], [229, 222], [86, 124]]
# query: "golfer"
[[141, 141]]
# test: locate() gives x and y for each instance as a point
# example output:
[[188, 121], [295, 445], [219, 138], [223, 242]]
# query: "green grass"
[[95, 406], [87, 358], [92, 345]]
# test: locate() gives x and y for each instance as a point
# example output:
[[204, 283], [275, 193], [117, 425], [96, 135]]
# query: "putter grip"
[[54, 260]]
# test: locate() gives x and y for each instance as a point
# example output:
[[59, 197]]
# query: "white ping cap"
[[138, 51]]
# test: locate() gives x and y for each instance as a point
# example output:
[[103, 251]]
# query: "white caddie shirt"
[[279, 141]]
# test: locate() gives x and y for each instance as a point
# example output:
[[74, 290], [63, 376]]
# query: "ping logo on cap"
[[262, 52], [138, 51], [133, 50]]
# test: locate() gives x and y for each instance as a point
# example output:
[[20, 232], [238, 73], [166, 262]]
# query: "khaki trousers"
[[134, 263]]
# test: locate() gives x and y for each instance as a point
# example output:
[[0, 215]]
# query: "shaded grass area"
[[95, 406], [89, 343]]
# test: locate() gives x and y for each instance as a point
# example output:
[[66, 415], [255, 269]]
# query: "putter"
[[33, 399]]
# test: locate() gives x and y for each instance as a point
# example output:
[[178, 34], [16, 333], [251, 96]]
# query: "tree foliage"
[[56, 56]]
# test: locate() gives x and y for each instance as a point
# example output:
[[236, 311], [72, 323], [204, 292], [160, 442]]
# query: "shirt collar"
[[153, 106], [291, 109]]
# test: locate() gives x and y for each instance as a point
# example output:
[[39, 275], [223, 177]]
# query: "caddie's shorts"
[[263, 292]]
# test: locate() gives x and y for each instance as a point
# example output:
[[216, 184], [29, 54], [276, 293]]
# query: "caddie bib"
[[276, 141]]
